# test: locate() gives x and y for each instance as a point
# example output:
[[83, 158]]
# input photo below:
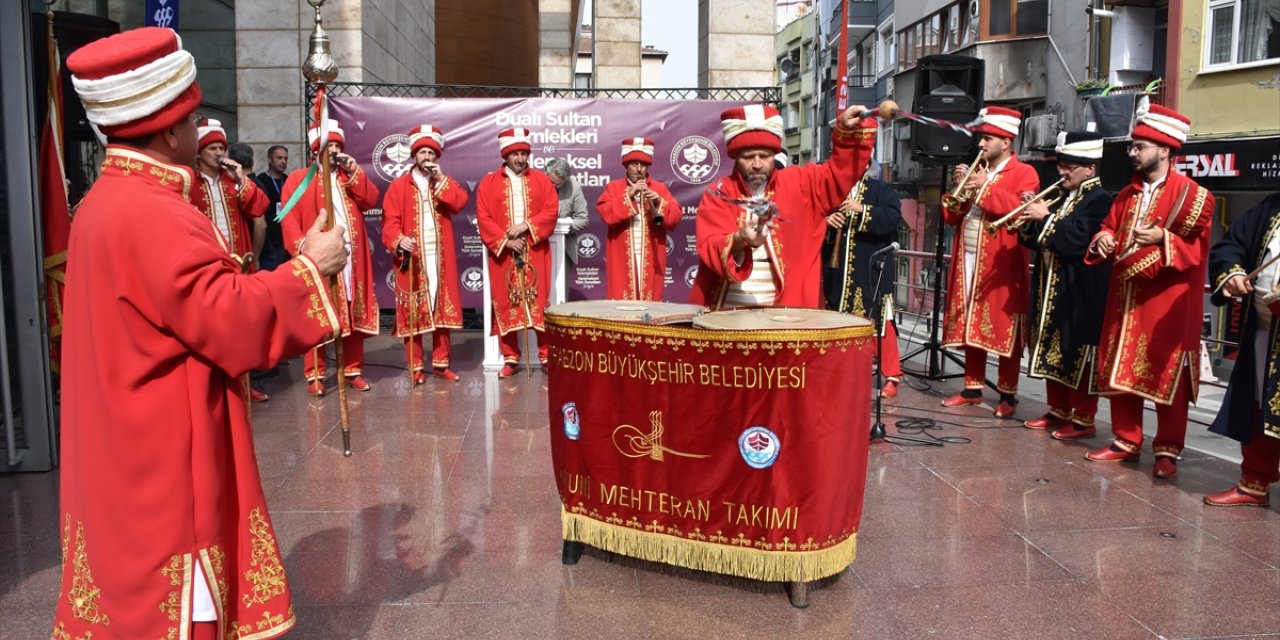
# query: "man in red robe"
[[640, 213], [230, 199], [987, 289], [760, 230], [417, 228], [353, 194], [164, 528], [516, 208], [1157, 235]]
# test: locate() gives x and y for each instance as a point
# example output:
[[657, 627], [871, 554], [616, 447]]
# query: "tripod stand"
[[877, 429], [933, 347]]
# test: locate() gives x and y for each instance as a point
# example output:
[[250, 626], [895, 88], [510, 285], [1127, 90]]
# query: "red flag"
[[842, 65], [53, 202]]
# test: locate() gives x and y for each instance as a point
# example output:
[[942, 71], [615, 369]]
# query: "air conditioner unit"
[[901, 130], [1041, 131]]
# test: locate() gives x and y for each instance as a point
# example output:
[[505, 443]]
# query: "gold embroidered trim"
[[265, 573], [83, 596], [1197, 208]]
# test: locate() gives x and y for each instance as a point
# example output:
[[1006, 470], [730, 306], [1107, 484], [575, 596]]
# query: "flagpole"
[[321, 69]]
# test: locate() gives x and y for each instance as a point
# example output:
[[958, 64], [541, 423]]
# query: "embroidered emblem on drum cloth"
[[571, 423], [759, 447]]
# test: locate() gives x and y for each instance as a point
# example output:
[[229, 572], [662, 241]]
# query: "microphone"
[[887, 249]]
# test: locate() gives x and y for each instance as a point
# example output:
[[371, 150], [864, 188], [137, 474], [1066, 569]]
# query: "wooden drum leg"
[[571, 552], [799, 592]]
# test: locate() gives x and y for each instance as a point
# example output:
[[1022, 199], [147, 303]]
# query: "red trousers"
[[509, 346], [1260, 467], [204, 630], [975, 370], [439, 350], [891, 364], [1076, 404], [314, 364], [1171, 420]]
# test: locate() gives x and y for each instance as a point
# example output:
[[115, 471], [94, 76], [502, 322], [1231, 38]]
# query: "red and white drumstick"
[[889, 110]]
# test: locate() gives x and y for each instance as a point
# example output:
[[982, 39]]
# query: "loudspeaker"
[[948, 87]]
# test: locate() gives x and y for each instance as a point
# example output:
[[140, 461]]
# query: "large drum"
[[778, 318], [740, 449], [638, 311]]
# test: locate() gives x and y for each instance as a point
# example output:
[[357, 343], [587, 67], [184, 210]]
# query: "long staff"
[[321, 69], [413, 321]]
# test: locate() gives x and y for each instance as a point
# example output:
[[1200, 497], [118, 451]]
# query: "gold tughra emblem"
[[633, 443]]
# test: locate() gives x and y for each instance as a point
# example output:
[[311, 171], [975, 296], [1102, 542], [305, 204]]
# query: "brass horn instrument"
[[1050, 196], [959, 195]]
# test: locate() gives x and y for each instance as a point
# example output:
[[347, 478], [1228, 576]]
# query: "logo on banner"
[[634, 443], [391, 279], [690, 274], [588, 245], [695, 159], [473, 279], [759, 447], [571, 425], [669, 246], [392, 156]]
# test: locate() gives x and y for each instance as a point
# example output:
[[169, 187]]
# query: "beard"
[[757, 181], [1146, 166]]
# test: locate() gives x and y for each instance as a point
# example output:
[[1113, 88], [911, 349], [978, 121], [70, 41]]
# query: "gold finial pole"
[[321, 69]]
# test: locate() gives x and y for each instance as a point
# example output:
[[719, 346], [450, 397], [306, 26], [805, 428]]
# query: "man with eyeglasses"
[[987, 286], [1157, 236], [1067, 293]]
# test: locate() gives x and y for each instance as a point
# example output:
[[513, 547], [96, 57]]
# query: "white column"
[[559, 288], [492, 356]]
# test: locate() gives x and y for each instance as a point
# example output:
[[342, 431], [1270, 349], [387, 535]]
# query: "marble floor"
[[445, 524]]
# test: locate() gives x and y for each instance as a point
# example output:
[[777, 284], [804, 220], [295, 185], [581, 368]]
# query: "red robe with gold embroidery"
[[1155, 302], [994, 317], [359, 196], [242, 205], [402, 211], [514, 309], [632, 277], [805, 195], [159, 478]]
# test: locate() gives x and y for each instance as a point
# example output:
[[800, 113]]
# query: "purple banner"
[[588, 133]]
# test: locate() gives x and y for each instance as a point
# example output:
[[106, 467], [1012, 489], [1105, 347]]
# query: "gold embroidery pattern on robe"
[[84, 594], [266, 573]]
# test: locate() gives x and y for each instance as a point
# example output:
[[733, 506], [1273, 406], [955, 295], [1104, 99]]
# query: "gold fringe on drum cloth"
[[744, 562]]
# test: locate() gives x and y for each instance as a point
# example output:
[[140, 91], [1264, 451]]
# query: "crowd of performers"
[[1112, 306], [161, 450]]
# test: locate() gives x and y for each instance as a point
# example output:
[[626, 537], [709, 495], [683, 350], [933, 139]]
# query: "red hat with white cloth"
[[512, 140], [637, 149], [209, 132], [1001, 122], [752, 126], [426, 136], [136, 82], [1161, 125], [335, 134]]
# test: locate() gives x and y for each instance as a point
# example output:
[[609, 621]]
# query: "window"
[[1014, 18], [581, 81], [1243, 31], [887, 53]]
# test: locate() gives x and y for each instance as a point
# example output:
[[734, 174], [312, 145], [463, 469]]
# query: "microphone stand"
[[877, 429]]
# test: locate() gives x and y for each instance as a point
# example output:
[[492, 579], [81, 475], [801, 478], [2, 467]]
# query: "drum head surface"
[[639, 311], [778, 318]]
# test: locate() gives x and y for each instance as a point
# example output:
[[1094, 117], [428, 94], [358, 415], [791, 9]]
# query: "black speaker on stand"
[[948, 87]]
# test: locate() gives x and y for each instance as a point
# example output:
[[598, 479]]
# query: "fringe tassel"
[[744, 562]]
